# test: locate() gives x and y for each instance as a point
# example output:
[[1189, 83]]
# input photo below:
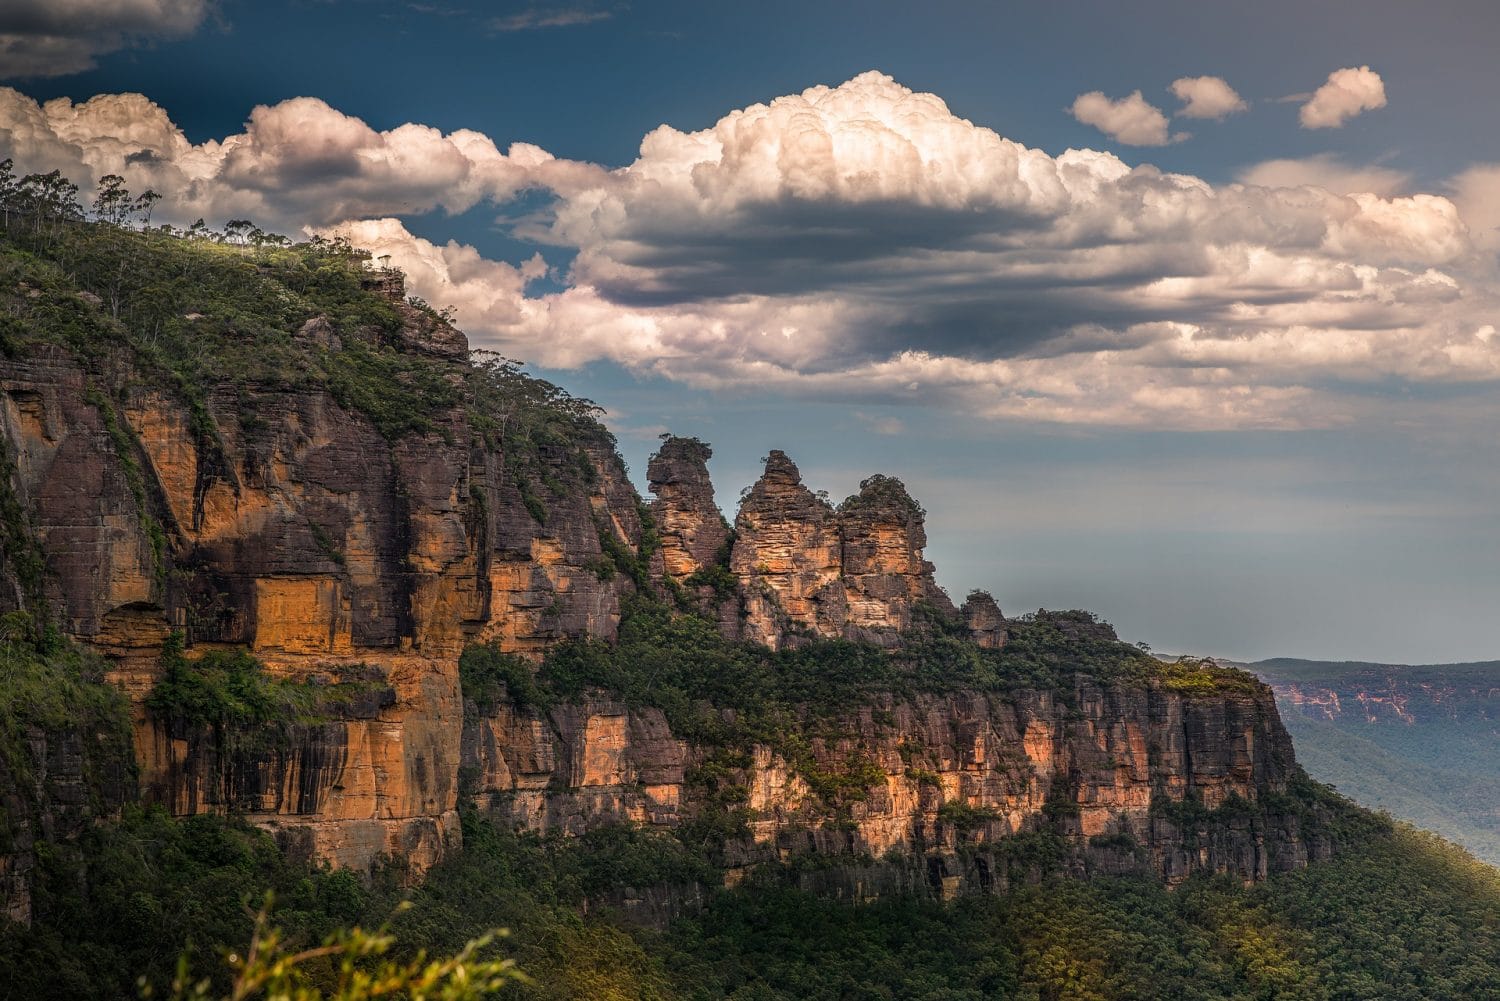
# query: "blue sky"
[[1243, 404]]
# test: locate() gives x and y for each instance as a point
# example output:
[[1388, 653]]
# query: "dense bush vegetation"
[[1401, 915], [229, 690], [719, 691]]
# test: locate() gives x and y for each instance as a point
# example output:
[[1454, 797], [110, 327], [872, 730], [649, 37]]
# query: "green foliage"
[[1119, 841], [965, 816], [1203, 676], [195, 316], [401, 394], [230, 692], [56, 690], [122, 901], [488, 676], [271, 970], [326, 543], [1397, 915], [717, 576], [924, 777], [19, 550], [881, 492]]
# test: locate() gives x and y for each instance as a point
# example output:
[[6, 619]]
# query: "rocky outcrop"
[[885, 576], [808, 569], [984, 620], [788, 558], [692, 532], [1126, 779]]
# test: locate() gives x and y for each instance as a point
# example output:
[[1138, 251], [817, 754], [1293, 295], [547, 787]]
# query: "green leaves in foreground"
[[361, 970]]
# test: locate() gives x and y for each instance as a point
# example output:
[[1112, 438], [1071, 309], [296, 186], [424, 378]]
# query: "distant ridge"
[[1420, 741]]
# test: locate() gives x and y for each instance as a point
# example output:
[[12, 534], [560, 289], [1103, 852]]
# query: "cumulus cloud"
[[1477, 192], [863, 243], [1347, 93], [1207, 97], [1131, 120], [298, 163], [41, 38], [1327, 171]]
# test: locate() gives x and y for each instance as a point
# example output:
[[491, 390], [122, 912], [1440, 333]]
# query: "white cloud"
[[1477, 192], [1326, 171], [298, 163], [1348, 92], [1207, 97], [531, 20], [41, 38], [863, 243], [1131, 120]]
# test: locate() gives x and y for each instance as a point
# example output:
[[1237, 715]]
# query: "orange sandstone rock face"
[[1093, 763], [788, 556], [691, 529], [301, 615], [885, 574], [856, 572]]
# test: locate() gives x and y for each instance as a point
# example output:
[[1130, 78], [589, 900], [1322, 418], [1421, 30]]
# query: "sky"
[[1184, 313]]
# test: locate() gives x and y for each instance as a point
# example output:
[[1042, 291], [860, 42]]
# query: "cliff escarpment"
[[352, 579]]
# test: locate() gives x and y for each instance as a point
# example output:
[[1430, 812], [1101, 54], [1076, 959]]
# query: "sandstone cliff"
[[950, 779], [294, 528], [354, 503]]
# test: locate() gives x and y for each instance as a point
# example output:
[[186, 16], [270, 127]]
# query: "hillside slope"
[[1420, 741]]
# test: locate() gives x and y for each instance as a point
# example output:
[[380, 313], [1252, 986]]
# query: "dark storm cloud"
[[41, 38]]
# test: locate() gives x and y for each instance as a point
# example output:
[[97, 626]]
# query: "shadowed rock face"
[[986, 624]]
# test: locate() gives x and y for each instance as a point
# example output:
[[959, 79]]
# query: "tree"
[[50, 199], [8, 188], [112, 203], [237, 231], [143, 206]]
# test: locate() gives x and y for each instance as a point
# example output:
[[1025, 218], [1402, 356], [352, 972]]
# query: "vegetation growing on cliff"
[[53, 692], [230, 693], [717, 690]]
